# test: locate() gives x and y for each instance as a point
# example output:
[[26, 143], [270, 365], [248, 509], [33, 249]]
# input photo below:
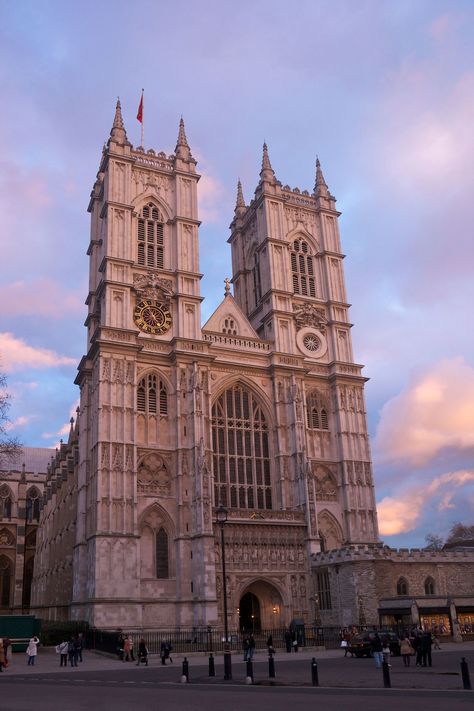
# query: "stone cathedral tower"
[[261, 409]]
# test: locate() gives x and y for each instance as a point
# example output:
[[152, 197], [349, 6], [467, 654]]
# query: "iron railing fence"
[[205, 639]]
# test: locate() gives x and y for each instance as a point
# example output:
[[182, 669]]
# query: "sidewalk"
[[334, 668]]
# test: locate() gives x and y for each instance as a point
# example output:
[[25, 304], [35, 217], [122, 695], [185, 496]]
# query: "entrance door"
[[250, 613]]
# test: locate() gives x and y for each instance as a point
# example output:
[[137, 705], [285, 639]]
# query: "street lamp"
[[221, 519]]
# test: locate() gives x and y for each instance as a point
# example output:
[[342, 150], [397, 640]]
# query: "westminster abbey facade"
[[260, 410]]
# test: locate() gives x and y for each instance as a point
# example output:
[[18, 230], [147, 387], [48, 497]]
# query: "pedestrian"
[[416, 644], [246, 647], [6, 644], [436, 644], [376, 645], [142, 652], [126, 649], [130, 645], [294, 642], [81, 645], [63, 652], [386, 650], [2, 656], [120, 643], [425, 647], [406, 650], [32, 650], [288, 641], [72, 652], [165, 652], [270, 648]]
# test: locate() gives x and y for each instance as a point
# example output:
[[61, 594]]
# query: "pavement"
[[334, 670]]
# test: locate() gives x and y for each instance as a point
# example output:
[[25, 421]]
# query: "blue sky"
[[382, 91]]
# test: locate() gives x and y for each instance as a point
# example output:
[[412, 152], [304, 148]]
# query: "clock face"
[[152, 317]]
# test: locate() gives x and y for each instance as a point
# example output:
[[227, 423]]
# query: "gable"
[[228, 318]]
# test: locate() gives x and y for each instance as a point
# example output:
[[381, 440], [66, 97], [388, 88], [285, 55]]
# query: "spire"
[[267, 171], [118, 132], [240, 202], [320, 187], [182, 147]]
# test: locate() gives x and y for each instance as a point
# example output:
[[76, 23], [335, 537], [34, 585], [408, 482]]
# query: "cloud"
[[41, 297], [434, 412], [212, 197], [19, 422], [15, 355], [66, 428], [403, 513]]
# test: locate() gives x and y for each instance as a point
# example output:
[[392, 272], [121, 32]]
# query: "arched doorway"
[[260, 607], [250, 613]]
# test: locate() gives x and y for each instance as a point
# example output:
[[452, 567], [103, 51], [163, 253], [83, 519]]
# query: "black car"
[[361, 644]]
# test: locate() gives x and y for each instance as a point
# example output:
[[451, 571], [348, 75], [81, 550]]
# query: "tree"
[[10, 447], [460, 532], [433, 542]]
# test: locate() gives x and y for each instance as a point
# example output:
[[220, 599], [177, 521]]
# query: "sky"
[[381, 90]]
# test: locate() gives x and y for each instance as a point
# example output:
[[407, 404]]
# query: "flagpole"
[[143, 121]]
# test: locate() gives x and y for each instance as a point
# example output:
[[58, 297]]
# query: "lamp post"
[[221, 515]]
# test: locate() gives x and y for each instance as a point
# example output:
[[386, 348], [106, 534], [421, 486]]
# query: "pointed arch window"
[[317, 412], [151, 237], [402, 587], [241, 459], [6, 574], [152, 396], [302, 269], [429, 586], [5, 502], [32, 505], [161, 553], [257, 280]]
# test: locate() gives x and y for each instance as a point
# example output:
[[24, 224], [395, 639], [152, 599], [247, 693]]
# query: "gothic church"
[[260, 410]]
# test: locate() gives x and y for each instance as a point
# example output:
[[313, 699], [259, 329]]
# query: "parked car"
[[360, 644]]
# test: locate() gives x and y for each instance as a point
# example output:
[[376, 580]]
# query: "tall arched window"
[[152, 396], [161, 554], [241, 458], [429, 586], [317, 412], [402, 587], [150, 237], [32, 504], [6, 568], [302, 269], [5, 502]]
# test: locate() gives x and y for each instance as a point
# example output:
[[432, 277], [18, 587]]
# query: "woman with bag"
[[406, 650]]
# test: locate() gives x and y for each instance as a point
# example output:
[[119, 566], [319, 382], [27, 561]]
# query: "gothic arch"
[[150, 196], [271, 603], [152, 522], [330, 531], [302, 232], [232, 380], [241, 446]]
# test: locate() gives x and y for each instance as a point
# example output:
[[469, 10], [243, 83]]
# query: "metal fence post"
[[185, 670], [249, 673], [466, 679], [314, 672], [386, 676], [271, 666], [212, 667]]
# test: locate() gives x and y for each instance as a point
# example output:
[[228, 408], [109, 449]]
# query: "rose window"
[[311, 342]]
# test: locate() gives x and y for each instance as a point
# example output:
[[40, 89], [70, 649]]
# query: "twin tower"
[[260, 410]]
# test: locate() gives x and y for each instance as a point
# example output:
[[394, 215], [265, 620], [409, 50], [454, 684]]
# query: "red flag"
[[140, 110]]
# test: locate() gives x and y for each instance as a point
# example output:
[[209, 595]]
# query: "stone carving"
[[6, 537], [309, 315], [152, 287], [326, 487], [153, 474]]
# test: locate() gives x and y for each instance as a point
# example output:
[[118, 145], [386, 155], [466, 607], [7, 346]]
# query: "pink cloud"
[[434, 412], [400, 514], [15, 355], [51, 299]]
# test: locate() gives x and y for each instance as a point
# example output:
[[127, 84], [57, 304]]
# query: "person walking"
[[2, 656], [32, 650], [251, 650], [6, 645], [246, 647], [270, 647], [288, 641], [425, 647], [126, 649], [406, 650], [81, 645], [130, 645], [142, 652], [416, 644], [376, 645], [72, 652]]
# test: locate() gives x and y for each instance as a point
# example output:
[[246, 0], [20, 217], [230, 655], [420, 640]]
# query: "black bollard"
[[227, 666], [466, 679], [185, 669], [386, 676], [212, 666], [250, 669], [314, 672], [271, 666]]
